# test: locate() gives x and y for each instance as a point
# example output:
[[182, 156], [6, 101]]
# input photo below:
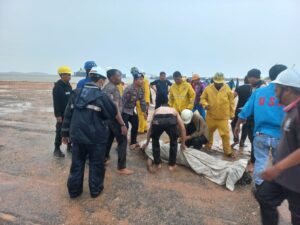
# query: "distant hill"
[[26, 74]]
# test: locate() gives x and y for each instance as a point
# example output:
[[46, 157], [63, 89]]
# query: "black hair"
[[246, 81], [176, 74], [88, 72], [111, 73], [295, 90], [97, 78], [254, 73], [275, 70], [162, 73]]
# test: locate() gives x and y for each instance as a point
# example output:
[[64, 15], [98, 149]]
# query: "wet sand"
[[33, 182]]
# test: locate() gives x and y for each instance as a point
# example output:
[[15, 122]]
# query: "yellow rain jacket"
[[142, 121], [121, 89], [181, 96], [221, 102]]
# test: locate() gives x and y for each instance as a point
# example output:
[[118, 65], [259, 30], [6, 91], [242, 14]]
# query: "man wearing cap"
[[218, 100], [131, 95], [198, 87], [117, 128], [85, 126], [268, 115], [181, 94], [196, 129], [161, 89], [282, 179], [61, 93], [88, 65]]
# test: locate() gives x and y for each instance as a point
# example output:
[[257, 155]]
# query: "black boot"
[[58, 153], [69, 148]]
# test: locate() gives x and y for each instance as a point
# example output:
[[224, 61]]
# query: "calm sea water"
[[45, 78]]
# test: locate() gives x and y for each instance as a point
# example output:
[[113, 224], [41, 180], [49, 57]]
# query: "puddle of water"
[[47, 109], [15, 107]]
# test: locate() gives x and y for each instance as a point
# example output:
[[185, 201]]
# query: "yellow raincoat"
[[121, 89], [221, 109], [142, 121], [181, 96]]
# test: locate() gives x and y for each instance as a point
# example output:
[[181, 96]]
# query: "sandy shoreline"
[[33, 182]]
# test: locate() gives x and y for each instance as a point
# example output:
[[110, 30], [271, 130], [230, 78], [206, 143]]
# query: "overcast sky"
[[205, 36]]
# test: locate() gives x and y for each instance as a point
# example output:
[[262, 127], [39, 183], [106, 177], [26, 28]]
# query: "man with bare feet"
[[117, 127], [165, 119]]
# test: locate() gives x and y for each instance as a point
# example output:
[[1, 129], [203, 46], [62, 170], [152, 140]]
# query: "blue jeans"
[[262, 144], [200, 110]]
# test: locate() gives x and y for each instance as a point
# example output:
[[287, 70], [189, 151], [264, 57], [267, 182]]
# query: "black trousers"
[[172, 132], [270, 195], [96, 155], [115, 132], [244, 129], [134, 121], [197, 142], [58, 138], [250, 130]]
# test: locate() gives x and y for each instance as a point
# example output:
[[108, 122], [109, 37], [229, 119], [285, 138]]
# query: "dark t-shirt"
[[243, 92], [289, 143], [161, 87]]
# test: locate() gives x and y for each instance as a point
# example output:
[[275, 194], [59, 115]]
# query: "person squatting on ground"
[[165, 119], [243, 92], [88, 65], [282, 180], [268, 114], [131, 95], [181, 94], [218, 100], [196, 129], [143, 126], [85, 127], [161, 89], [117, 127], [61, 93], [198, 87]]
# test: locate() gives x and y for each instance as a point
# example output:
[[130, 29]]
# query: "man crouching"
[[84, 125], [165, 119]]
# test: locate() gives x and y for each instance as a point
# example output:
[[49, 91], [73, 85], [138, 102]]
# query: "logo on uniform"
[[287, 125]]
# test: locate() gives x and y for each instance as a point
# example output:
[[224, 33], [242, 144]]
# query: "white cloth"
[[217, 170]]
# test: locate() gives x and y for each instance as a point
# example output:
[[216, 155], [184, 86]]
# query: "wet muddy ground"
[[33, 182]]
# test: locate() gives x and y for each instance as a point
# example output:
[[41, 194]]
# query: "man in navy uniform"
[[85, 126]]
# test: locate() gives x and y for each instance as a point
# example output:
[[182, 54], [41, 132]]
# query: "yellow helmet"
[[64, 69], [219, 78]]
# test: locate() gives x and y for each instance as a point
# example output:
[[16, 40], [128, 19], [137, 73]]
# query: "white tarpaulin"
[[215, 169]]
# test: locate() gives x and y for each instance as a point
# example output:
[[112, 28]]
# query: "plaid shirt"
[[130, 97]]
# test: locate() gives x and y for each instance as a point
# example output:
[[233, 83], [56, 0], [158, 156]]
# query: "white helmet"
[[186, 116], [97, 72], [288, 77]]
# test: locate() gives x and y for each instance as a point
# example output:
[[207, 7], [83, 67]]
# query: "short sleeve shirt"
[[161, 87], [289, 143], [113, 92]]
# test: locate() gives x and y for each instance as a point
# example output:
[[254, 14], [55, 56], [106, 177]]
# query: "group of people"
[[90, 117]]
